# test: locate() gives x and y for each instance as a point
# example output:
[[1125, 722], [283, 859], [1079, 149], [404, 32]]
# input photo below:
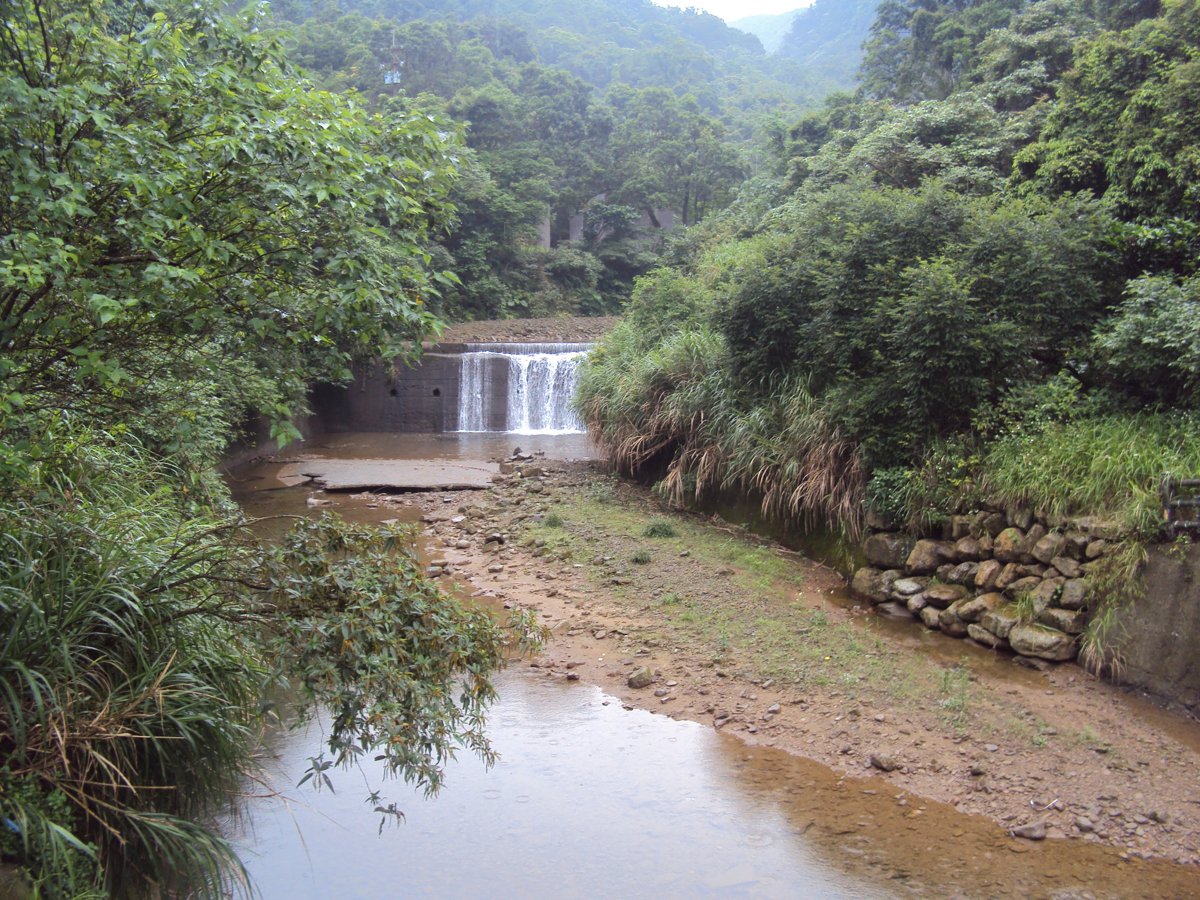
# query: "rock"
[[1098, 529], [1096, 549], [462, 545], [969, 550], [1064, 620], [1046, 593], [1033, 570], [1074, 594], [974, 609], [883, 762], [1067, 567], [495, 569], [1084, 824], [949, 621], [894, 609], [1000, 621], [1010, 545], [930, 615], [1048, 547], [963, 573], [1077, 543], [985, 637], [916, 603], [1033, 534], [987, 573], [942, 595], [1032, 831], [991, 523], [961, 526], [494, 537], [1010, 573], [888, 550], [1020, 517], [1041, 641], [943, 572], [640, 678], [926, 556], [906, 587], [873, 584], [1023, 586]]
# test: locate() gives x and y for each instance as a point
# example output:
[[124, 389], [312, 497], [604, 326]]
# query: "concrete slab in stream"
[[398, 475]]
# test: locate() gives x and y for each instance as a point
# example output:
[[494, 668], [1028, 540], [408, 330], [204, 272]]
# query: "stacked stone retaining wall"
[[1002, 579]]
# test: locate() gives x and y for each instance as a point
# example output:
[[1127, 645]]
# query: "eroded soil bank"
[[738, 633]]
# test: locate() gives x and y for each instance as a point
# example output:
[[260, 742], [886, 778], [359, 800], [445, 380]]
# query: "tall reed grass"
[[672, 410], [1109, 466], [125, 679]]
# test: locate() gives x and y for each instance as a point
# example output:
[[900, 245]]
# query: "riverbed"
[[595, 797]]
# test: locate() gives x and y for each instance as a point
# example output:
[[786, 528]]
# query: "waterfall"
[[532, 383]]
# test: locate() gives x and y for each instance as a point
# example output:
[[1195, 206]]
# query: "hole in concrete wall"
[[437, 392], [393, 392]]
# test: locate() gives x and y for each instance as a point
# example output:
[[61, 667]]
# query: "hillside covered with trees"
[[974, 280]]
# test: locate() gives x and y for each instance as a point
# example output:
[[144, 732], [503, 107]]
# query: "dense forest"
[[966, 273], [972, 280]]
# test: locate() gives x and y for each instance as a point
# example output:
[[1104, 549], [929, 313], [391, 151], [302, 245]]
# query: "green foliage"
[[1150, 348], [641, 557], [127, 673], [553, 520], [659, 528], [184, 217], [1106, 466], [402, 669]]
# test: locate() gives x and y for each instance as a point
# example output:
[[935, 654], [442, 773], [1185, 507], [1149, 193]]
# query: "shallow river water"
[[590, 799]]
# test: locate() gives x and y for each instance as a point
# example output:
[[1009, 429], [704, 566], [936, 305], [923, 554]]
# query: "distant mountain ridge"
[[829, 36], [769, 29]]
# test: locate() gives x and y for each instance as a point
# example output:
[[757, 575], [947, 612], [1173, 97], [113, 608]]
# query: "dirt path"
[[727, 629]]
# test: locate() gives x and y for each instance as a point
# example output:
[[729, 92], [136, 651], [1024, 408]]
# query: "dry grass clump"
[[674, 410]]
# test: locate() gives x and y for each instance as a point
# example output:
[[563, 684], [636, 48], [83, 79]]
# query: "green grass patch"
[[659, 528]]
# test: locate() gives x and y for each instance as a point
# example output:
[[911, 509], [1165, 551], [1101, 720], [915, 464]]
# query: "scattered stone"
[[495, 569], [883, 762], [1084, 825], [640, 678], [873, 584], [1033, 831]]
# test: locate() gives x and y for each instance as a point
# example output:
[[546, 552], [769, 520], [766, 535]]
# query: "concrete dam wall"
[[519, 388]]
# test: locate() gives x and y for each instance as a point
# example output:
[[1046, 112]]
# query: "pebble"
[[1032, 831]]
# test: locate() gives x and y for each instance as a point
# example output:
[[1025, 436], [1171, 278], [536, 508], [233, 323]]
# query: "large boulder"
[[1046, 548], [907, 587], [1000, 620], [973, 610], [873, 584], [1031, 639], [888, 550], [1047, 593], [929, 615], [927, 555], [1023, 586]]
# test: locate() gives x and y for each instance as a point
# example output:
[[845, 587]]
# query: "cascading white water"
[[541, 382]]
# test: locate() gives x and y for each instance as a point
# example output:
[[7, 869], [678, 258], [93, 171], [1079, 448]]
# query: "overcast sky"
[[739, 9]]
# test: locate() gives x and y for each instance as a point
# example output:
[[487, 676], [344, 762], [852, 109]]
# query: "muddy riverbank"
[[696, 619]]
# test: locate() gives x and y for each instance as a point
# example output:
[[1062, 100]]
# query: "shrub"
[[659, 528]]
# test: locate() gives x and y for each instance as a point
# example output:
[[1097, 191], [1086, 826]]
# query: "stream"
[[590, 798]]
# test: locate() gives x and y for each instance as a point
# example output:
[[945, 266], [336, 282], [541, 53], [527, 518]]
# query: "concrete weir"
[[515, 388]]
